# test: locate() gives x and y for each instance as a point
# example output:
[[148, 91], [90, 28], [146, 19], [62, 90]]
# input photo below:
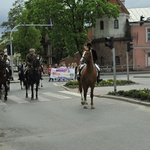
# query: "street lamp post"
[[25, 25], [11, 51]]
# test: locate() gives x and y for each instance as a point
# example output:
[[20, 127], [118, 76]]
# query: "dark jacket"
[[30, 58], [94, 55]]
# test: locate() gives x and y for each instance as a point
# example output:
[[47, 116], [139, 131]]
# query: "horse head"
[[36, 63], [2, 65], [86, 56]]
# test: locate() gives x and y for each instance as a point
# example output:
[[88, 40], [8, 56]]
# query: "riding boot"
[[41, 75], [19, 77], [79, 74], [98, 77]]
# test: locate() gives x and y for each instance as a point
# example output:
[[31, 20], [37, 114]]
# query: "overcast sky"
[[5, 6]]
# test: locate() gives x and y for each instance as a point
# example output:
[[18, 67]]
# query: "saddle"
[[83, 66]]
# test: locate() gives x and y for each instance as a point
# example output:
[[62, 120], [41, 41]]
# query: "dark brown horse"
[[88, 78], [32, 77], [3, 80]]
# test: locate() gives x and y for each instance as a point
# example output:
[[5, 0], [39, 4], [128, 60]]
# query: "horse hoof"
[[85, 107], [32, 98], [92, 107], [5, 99], [82, 103]]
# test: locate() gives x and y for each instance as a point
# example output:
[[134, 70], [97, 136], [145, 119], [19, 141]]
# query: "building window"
[[116, 24], [148, 34], [117, 60], [101, 25]]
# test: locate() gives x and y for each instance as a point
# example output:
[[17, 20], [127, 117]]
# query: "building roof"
[[123, 9], [135, 14]]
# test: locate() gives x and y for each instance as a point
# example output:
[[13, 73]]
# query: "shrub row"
[[143, 94], [109, 82]]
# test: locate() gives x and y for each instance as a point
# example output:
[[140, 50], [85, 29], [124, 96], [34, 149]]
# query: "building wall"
[[141, 46], [120, 42], [109, 27], [105, 56], [70, 60]]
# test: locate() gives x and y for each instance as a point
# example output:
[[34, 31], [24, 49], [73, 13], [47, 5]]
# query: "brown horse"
[[88, 78], [32, 77]]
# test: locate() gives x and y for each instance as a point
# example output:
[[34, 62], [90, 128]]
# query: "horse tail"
[[80, 88]]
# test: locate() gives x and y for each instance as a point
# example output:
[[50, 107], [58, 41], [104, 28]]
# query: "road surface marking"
[[42, 99], [72, 93], [17, 99], [2, 103], [56, 95]]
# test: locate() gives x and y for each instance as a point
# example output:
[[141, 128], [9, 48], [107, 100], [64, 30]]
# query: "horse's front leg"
[[85, 99], [21, 84], [26, 85], [5, 96], [91, 95], [82, 102], [37, 91], [32, 91], [80, 90]]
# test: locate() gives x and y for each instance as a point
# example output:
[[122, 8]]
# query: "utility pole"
[[110, 43], [129, 48]]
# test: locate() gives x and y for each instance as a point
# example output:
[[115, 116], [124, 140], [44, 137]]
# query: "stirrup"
[[78, 77], [99, 80]]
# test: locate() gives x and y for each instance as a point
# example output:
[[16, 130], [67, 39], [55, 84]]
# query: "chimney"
[[123, 2]]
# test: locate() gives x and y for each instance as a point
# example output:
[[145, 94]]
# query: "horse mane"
[[2, 65], [36, 63]]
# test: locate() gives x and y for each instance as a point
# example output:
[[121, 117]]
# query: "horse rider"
[[8, 68], [94, 54], [5, 60], [29, 59]]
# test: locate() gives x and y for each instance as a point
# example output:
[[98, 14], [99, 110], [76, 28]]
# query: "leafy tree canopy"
[[70, 18]]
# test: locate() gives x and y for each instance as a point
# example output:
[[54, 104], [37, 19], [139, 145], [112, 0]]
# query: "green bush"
[[143, 95], [109, 82], [72, 84]]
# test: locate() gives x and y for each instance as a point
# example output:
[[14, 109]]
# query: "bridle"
[[83, 59]]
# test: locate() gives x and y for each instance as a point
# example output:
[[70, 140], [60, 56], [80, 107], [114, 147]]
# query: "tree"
[[18, 7], [70, 19], [26, 37]]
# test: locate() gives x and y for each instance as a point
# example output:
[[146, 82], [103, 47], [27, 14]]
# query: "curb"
[[120, 98]]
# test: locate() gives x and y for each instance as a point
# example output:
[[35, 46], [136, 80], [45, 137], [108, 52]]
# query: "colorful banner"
[[62, 73]]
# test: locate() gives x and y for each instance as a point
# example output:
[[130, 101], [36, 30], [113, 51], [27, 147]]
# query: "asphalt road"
[[57, 121]]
